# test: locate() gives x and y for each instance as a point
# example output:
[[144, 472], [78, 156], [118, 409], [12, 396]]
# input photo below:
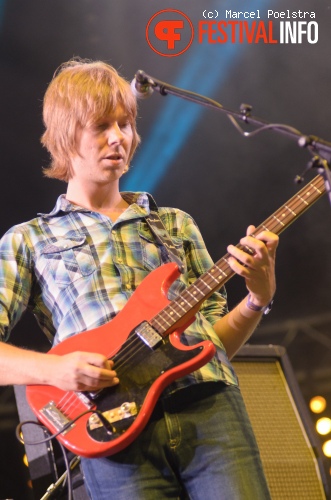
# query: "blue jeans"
[[198, 444]]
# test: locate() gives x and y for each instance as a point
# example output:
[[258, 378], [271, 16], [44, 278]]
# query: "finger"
[[109, 364], [94, 378], [254, 246], [99, 373], [235, 265], [265, 235], [97, 367], [250, 230], [97, 360], [267, 239], [238, 266], [240, 255]]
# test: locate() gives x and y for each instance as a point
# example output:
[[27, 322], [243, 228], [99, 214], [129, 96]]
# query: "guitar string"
[[130, 348], [131, 345]]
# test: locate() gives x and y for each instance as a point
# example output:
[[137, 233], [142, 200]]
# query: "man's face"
[[103, 149]]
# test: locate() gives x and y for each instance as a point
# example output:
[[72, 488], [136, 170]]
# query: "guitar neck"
[[192, 297]]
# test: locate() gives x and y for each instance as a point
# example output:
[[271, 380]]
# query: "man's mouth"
[[114, 156]]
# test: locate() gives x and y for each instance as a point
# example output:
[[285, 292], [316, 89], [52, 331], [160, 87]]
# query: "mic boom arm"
[[313, 143], [144, 85]]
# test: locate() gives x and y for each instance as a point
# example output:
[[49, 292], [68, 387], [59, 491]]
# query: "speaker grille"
[[288, 458]]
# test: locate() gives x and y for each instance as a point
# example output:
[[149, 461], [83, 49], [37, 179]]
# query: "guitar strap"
[[163, 238], [157, 227]]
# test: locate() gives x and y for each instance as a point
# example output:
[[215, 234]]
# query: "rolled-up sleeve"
[[15, 280]]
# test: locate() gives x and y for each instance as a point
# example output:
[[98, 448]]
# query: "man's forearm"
[[236, 327]]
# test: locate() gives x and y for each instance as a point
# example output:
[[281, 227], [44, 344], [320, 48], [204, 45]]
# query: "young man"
[[76, 267]]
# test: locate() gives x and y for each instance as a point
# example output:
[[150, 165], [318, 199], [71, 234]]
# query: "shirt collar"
[[142, 201]]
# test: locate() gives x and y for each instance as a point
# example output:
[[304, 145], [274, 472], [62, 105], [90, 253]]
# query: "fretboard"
[[191, 298]]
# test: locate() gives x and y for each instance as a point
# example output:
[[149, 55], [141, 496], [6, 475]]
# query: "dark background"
[[224, 180]]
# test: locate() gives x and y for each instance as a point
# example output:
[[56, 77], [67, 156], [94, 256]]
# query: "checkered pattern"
[[75, 270]]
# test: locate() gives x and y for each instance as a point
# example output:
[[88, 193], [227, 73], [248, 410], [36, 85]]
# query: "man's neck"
[[104, 198]]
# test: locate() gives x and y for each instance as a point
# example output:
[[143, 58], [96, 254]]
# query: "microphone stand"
[[319, 148]]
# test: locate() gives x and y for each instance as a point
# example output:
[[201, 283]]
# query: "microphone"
[[141, 86]]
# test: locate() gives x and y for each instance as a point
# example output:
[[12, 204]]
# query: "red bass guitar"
[[143, 340]]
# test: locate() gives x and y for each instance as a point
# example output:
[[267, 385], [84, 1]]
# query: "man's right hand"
[[82, 371]]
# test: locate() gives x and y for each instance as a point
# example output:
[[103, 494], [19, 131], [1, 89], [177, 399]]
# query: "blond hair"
[[81, 93]]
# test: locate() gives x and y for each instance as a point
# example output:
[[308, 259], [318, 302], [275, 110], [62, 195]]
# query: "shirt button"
[[128, 286]]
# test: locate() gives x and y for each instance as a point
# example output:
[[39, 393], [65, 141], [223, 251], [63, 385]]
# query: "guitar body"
[[144, 372]]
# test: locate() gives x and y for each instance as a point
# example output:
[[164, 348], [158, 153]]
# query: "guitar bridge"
[[126, 410], [56, 417]]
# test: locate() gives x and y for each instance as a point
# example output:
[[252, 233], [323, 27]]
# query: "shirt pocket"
[[154, 254], [69, 259]]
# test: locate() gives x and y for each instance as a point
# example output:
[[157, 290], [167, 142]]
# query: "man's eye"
[[125, 124], [102, 126], [98, 127]]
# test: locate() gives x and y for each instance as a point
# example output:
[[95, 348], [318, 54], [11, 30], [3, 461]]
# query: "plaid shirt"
[[75, 269]]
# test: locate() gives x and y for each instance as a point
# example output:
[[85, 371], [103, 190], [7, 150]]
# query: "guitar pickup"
[[126, 410], [148, 335]]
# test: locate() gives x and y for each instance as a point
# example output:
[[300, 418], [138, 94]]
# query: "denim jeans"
[[198, 445]]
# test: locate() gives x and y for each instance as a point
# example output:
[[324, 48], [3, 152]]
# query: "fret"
[[155, 320], [167, 322], [316, 189], [198, 289], [184, 300], [172, 312], [191, 294], [225, 259], [278, 220], [161, 324], [206, 284], [248, 250], [304, 201], [180, 305], [210, 274], [290, 210], [221, 271]]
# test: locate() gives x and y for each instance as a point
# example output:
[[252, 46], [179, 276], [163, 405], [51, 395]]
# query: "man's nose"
[[115, 134]]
